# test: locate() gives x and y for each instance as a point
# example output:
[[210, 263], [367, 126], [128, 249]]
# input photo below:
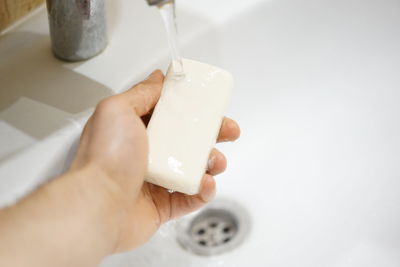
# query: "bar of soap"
[[185, 125]]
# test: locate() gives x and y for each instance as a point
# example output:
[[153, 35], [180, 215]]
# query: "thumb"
[[144, 96]]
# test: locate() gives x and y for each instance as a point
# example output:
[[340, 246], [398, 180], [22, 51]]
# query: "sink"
[[316, 95]]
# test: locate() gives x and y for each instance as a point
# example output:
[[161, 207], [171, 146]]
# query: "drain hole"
[[201, 232], [203, 243], [226, 230], [226, 240], [213, 224]]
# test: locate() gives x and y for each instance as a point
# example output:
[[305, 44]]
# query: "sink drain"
[[220, 227]]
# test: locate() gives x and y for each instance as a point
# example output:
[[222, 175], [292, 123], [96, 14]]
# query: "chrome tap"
[[159, 2], [77, 28]]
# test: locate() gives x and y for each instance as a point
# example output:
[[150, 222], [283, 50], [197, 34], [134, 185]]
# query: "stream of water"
[[167, 12]]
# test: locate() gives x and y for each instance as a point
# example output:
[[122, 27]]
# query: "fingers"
[[175, 205], [230, 131], [182, 204], [208, 189], [216, 162], [144, 96]]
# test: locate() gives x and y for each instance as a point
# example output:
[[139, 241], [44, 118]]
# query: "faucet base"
[[77, 28]]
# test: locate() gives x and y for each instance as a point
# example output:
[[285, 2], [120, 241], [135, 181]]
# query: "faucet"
[[159, 2], [78, 27]]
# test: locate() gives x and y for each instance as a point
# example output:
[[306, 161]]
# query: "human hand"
[[114, 143]]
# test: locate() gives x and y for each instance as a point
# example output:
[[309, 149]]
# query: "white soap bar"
[[185, 124]]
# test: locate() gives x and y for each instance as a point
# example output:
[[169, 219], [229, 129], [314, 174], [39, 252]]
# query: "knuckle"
[[107, 104]]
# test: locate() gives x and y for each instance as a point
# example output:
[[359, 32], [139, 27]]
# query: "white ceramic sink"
[[317, 96]]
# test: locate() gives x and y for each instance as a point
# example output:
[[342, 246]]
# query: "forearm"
[[68, 222]]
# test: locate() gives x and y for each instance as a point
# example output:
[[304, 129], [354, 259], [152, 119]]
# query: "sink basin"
[[317, 96]]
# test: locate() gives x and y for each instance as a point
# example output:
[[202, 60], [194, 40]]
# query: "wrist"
[[104, 202], [77, 212]]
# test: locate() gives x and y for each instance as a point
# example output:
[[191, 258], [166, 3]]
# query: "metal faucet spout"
[[159, 2]]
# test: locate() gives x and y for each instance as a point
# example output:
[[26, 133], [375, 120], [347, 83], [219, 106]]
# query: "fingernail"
[[211, 163]]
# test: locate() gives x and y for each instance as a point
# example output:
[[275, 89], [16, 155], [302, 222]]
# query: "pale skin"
[[102, 205]]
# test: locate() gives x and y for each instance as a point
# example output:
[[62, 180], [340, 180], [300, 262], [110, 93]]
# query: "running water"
[[167, 12]]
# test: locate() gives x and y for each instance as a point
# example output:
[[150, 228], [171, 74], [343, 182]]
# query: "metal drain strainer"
[[214, 228], [219, 227]]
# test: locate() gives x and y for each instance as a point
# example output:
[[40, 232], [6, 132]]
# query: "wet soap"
[[185, 124]]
